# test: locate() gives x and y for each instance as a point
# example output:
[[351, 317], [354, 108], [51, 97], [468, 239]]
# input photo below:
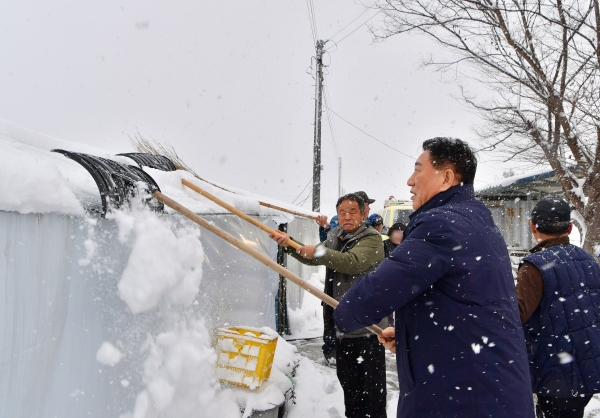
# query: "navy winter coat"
[[460, 345], [562, 334]]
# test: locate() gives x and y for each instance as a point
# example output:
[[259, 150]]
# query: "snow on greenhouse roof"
[[535, 183], [35, 180]]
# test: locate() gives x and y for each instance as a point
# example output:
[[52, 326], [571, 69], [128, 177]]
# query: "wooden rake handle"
[[253, 252], [236, 211], [293, 212]]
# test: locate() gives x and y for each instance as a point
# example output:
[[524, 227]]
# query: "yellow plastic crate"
[[244, 356]]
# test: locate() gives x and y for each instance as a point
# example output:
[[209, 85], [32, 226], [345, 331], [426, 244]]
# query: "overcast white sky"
[[226, 83]]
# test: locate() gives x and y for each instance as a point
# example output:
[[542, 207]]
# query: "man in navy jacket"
[[558, 289], [458, 338]]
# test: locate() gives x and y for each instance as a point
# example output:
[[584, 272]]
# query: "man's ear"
[[570, 228], [450, 179], [532, 226]]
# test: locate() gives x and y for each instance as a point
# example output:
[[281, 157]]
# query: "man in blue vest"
[[458, 339], [558, 288]]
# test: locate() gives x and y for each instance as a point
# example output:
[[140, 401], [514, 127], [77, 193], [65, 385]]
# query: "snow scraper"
[[116, 182], [119, 182], [161, 162]]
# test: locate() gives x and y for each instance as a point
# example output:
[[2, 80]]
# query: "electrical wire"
[[332, 130], [354, 20], [307, 197], [369, 135], [312, 20], [300, 194], [364, 23]]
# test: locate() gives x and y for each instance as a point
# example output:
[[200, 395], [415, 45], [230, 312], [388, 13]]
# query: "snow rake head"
[[117, 182], [158, 162]]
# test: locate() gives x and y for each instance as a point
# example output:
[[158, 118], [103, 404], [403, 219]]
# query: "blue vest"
[[563, 334]]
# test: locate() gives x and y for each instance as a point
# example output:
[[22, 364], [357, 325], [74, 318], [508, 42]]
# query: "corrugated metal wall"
[[512, 217]]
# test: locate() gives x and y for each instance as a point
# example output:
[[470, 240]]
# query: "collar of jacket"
[[550, 242], [458, 193], [344, 236]]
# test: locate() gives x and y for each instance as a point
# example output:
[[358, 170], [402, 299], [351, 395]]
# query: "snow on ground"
[[318, 391], [307, 322]]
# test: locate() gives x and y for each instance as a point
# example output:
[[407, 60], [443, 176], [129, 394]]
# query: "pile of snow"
[[179, 374], [29, 184], [318, 392], [165, 261], [108, 354], [508, 181]]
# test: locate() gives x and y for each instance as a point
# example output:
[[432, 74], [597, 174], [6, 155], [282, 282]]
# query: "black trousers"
[[329, 334], [361, 371], [549, 407]]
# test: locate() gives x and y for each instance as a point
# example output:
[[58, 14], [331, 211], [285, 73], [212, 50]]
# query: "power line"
[[369, 135], [364, 23], [307, 197], [354, 20], [331, 124], [312, 20], [300, 194]]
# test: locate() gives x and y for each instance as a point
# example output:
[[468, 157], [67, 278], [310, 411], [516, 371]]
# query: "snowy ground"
[[318, 392]]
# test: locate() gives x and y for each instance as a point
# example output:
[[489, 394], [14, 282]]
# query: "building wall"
[[512, 218]]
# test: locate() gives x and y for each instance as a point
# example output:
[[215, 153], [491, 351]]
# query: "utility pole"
[[340, 190], [316, 197]]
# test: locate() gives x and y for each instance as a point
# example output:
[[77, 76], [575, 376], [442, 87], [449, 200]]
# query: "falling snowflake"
[[564, 357]]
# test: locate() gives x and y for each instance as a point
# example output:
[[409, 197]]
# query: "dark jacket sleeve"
[[323, 234], [420, 260], [530, 290]]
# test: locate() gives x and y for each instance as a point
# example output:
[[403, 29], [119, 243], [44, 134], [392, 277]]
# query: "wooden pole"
[[236, 211], [265, 204], [253, 252], [293, 212], [317, 167]]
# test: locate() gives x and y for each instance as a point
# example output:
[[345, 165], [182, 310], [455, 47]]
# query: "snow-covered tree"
[[541, 58]]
